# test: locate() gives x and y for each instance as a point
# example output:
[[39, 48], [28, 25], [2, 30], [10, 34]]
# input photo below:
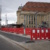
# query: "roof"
[[36, 6]]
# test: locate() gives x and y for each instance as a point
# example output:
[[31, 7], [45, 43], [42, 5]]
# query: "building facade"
[[33, 13]]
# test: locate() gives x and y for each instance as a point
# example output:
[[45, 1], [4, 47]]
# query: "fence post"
[[31, 35]]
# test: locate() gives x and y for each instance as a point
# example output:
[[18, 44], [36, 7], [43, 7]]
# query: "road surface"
[[15, 37], [8, 45]]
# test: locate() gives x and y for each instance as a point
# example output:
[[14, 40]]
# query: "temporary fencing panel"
[[36, 33], [15, 30], [40, 34], [28, 31], [48, 33], [20, 30]]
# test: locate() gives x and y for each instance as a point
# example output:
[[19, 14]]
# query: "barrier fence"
[[40, 34], [35, 33], [18, 30]]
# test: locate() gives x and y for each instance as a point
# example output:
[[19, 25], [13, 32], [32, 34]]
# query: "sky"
[[9, 8]]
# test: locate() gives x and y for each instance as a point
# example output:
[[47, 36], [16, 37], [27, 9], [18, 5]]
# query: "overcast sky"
[[10, 7]]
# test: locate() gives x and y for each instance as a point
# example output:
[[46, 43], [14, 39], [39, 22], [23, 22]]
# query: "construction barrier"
[[35, 33], [40, 34]]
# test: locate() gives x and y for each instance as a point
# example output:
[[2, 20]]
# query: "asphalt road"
[[8, 45], [15, 37]]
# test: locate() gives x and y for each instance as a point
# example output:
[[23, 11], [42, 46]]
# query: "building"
[[33, 13]]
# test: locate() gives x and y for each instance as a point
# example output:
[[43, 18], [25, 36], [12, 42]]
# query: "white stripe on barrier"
[[33, 38], [38, 31], [46, 37], [42, 38], [46, 31], [38, 38], [33, 31], [42, 31]]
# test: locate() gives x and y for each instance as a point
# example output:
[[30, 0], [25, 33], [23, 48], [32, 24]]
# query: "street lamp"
[[24, 24], [36, 19]]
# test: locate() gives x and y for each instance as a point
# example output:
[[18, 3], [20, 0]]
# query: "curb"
[[16, 34], [19, 44]]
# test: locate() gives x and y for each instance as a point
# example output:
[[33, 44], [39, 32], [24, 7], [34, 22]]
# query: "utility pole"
[[0, 16]]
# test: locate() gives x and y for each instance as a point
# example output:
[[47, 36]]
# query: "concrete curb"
[[27, 36]]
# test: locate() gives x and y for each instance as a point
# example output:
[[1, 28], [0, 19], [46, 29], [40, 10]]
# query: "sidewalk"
[[41, 45], [37, 45]]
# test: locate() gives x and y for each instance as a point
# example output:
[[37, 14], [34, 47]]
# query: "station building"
[[33, 13]]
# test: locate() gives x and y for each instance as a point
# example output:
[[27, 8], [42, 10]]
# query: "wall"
[[40, 17], [47, 18]]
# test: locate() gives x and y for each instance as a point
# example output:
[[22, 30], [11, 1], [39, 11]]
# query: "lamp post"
[[36, 19], [24, 24]]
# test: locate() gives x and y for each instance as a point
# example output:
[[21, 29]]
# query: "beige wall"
[[18, 17], [40, 18], [47, 18]]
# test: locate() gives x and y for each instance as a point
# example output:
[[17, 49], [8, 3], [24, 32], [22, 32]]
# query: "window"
[[34, 19], [24, 19], [29, 22], [29, 19]]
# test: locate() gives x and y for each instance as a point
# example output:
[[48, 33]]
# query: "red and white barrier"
[[40, 34], [36, 33]]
